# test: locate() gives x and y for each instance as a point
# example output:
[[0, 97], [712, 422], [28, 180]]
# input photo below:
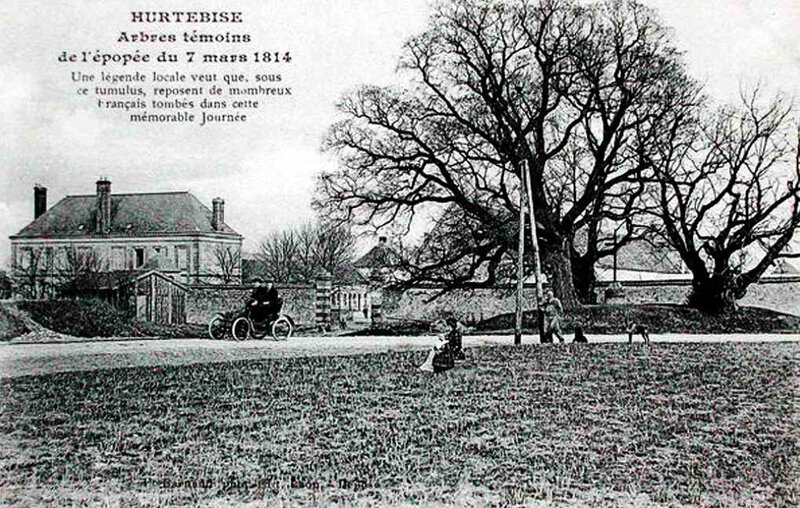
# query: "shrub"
[[96, 318], [80, 318], [615, 291], [12, 324]]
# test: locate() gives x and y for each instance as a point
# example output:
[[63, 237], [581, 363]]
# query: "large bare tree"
[[728, 197], [498, 89]]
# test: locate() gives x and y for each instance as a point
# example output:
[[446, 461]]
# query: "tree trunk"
[[584, 278], [557, 264], [715, 295]]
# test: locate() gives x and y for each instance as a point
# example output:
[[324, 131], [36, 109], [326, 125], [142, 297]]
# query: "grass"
[[712, 424]]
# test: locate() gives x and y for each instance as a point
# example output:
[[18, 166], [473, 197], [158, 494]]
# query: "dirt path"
[[33, 359]]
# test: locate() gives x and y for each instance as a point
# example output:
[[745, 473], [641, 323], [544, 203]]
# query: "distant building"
[[172, 232], [381, 262]]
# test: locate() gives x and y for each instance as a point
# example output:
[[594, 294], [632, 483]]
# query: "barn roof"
[[157, 274], [132, 215]]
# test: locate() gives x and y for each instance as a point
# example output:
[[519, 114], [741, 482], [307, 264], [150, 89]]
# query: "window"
[[25, 257], [182, 257], [160, 257], [47, 258], [117, 258], [138, 261], [84, 257]]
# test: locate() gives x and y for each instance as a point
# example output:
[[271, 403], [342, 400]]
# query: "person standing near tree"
[[552, 313]]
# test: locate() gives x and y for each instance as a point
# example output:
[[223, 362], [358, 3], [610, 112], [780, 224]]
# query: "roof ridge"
[[129, 194]]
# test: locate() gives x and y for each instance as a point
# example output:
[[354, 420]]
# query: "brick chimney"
[[218, 214], [39, 200], [103, 222]]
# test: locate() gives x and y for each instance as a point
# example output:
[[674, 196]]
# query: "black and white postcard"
[[399, 253]]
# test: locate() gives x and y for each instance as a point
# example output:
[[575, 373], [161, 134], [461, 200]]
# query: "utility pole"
[[615, 255], [537, 267], [520, 267]]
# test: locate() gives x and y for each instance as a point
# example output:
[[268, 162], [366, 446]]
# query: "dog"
[[634, 328]]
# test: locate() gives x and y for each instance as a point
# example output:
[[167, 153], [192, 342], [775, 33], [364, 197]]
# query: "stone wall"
[[205, 301], [677, 292], [469, 306], [300, 301], [779, 294], [478, 304]]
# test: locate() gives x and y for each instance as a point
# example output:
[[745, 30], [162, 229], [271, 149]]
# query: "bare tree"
[[334, 248], [501, 88], [278, 256], [729, 190], [228, 260], [305, 267], [75, 266], [31, 271], [6, 285], [299, 254]]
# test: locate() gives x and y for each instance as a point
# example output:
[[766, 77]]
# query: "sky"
[[265, 168]]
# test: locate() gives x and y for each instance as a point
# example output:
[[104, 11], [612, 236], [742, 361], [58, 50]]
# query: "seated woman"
[[448, 348], [439, 357]]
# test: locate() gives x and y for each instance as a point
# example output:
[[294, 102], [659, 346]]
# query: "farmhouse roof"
[[380, 256], [132, 215], [347, 274], [153, 273]]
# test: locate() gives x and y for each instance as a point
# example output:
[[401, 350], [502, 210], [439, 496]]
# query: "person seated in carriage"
[[265, 303]]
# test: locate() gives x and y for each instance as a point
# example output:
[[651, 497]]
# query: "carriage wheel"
[[282, 328], [240, 328], [217, 327]]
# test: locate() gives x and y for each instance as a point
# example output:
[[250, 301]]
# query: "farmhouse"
[[172, 232]]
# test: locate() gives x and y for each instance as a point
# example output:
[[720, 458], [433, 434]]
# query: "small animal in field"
[[635, 328], [579, 335]]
